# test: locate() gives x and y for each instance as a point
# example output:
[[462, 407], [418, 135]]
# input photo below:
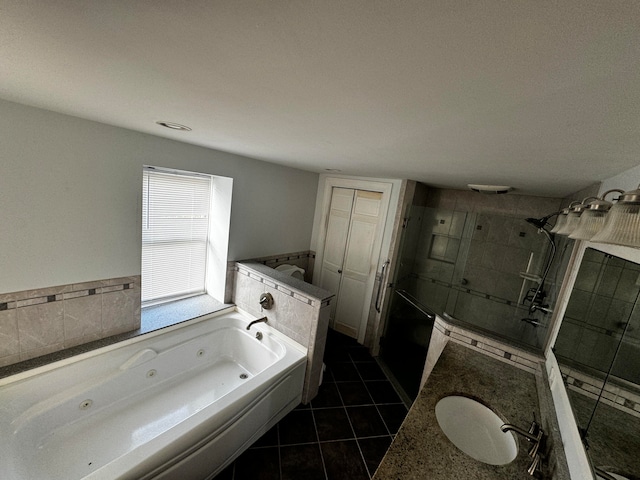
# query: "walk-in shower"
[[487, 271]]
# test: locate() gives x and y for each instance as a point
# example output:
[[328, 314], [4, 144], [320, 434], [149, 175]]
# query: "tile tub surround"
[[300, 311], [42, 321], [421, 450]]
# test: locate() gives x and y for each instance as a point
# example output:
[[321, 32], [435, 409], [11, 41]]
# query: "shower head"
[[537, 222], [541, 222]]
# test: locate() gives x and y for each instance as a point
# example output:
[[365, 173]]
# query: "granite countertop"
[[422, 451]]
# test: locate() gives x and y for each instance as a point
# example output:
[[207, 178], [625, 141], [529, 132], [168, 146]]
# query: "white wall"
[[70, 194]]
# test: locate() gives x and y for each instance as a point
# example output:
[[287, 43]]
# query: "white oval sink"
[[475, 430]]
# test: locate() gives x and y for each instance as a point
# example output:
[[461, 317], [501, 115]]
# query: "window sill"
[[167, 314]]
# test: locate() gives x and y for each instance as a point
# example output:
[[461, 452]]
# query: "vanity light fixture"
[[561, 221], [600, 220], [622, 224], [174, 126], [593, 218], [573, 217]]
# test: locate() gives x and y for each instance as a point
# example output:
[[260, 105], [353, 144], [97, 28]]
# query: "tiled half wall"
[[304, 260], [46, 320], [300, 311], [444, 332]]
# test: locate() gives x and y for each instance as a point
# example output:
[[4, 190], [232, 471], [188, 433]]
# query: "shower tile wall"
[[471, 250], [41, 321]]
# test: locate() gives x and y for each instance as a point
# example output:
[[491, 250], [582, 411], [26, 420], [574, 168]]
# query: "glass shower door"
[[403, 348]]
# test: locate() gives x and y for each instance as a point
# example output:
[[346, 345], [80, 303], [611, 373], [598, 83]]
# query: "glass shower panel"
[[403, 349], [481, 269], [502, 273]]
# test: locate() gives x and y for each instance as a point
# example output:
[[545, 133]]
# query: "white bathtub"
[[170, 404]]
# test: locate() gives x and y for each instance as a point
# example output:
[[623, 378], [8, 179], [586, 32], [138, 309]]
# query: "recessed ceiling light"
[[334, 170], [175, 126]]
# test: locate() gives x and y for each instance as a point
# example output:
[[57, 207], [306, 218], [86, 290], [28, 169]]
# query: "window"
[[175, 234]]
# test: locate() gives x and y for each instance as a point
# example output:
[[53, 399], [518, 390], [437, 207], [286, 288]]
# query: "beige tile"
[[464, 200], [247, 294], [82, 317], [120, 280], [531, 206], [8, 297], [43, 292], [118, 311], [76, 294], [292, 314], [40, 326], [88, 285], [32, 301], [294, 335], [9, 340], [9, 360], [112, 288]]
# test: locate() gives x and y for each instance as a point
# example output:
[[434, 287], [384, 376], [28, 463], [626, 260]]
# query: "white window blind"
[[175, 228]]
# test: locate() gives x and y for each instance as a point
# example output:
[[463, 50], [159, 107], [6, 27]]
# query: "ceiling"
[[540, 95]]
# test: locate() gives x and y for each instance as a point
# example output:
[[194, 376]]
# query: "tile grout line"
[[315, 427], [279, 451], [375, 404], [364, 461]]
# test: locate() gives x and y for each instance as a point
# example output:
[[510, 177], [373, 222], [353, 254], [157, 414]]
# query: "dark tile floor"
[[342, 434]]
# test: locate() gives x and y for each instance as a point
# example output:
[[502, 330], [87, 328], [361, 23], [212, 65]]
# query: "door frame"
[[357, 184]]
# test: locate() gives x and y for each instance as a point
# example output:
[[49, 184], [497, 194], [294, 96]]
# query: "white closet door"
[[348, 265], [336, 241]]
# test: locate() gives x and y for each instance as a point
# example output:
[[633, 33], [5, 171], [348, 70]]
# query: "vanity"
[[422, 450], [596, 342]]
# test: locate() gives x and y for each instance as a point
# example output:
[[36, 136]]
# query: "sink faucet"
[[534, 435], [263, 319]]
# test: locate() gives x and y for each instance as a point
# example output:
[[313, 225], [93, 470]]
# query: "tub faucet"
[[263, 319]]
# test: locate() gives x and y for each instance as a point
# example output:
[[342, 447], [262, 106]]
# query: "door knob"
[[339, 271]]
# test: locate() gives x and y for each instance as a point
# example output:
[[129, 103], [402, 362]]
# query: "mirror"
[[597, 349]]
